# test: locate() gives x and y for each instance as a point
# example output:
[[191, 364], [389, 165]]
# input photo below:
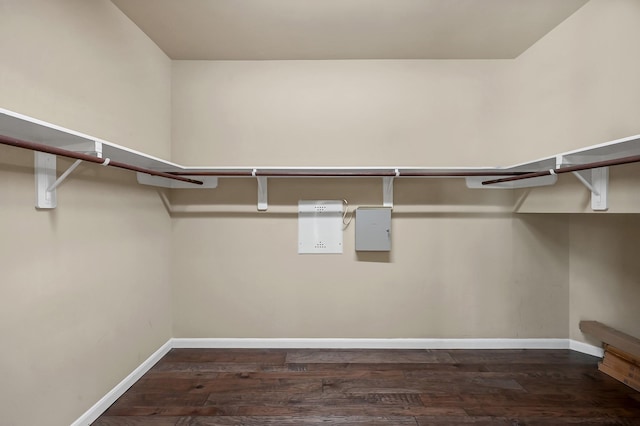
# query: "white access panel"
[[320, 226], [373, 229]]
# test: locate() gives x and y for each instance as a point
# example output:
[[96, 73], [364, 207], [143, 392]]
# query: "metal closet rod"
[[34, 146], [331, 173], [569, 169]]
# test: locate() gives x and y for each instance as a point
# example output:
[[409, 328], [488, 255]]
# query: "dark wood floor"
[[381, 387]]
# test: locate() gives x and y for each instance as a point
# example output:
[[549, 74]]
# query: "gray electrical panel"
[[373, 229]]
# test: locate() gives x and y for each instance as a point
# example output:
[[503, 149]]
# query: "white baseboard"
[[101, 406], [250, 343], [372, 343], [585, 348]]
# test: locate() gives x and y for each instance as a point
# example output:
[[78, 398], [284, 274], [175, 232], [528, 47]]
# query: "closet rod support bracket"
[[63, 176], [45, 171], [45, 166], [387, 191], [595, 180], [263, 203]]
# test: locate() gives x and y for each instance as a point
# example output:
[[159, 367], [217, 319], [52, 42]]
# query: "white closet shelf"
[[24, 128], [30, 129]]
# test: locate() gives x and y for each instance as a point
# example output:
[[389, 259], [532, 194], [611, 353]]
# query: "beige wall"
[[605, 272], [452, 272], [461, 264], [576, 87], [85, 287], [404, 113], [579, 86], [85, 66]]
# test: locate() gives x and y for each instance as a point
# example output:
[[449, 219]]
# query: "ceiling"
[[346, 29]]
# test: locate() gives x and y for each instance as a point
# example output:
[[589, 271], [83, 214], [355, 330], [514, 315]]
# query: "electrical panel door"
[[373, 229]]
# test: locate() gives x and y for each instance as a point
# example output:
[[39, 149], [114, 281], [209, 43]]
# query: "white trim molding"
[[106, 401], [340, 343], [321, 343], [586, 348]]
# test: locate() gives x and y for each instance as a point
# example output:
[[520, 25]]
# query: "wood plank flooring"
[[197, 387]]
